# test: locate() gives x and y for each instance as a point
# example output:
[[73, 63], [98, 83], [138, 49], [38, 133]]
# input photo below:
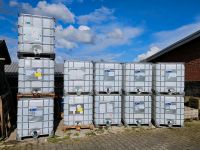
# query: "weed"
[[90, 133], [76, 134]]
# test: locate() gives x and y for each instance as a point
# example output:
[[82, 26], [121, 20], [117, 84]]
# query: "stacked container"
[[35, 75], [168, 98], [78, 90], [108, 90], [136, 105]]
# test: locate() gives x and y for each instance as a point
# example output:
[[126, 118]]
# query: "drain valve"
[[35, 134]]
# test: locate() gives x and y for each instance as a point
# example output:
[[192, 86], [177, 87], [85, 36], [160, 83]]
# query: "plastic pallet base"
[[42, 55], [105, 93], [138, 125], [166, 93], [35, 95], [137, 93], [78, 127], [75, 93], [110, 125], [30, 137], [166, 126]]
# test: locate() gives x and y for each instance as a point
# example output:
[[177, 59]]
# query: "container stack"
[[108, 90], [168, 98], [35, 76], [78, 90], [136, 106]]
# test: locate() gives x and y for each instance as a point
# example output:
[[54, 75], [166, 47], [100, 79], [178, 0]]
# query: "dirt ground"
[[114, 138]]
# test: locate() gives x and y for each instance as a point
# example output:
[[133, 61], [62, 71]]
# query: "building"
[[186, 50], [7, 109], [4, 59]]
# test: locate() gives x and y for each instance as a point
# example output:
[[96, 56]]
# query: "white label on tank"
[[109, 107], [38, 112], [102, 108], [29, 72], [140, 75], [35, 114], [169, 105], [72, 109], [170, 75], [111, 73], [139, 105]]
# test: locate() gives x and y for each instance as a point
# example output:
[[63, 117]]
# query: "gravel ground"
[[116, 138]]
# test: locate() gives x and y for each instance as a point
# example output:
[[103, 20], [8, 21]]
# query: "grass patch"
[[54, 139], [90, 133], [100, 131], [66, 137], [76, 134]]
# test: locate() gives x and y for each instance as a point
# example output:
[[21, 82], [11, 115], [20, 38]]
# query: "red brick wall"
[[192, 70]]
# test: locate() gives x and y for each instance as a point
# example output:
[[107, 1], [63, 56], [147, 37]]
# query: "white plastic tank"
[[36, 34], [108, 78], [169, 78], [107, 110], [137, 77], [137, 110], [34, 117], [78, 77], [36, 75], [78, 110], [168, 110]]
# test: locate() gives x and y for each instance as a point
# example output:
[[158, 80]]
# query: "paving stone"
[[187, 138]]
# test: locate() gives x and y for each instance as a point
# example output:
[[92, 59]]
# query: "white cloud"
[[114, 35], [149, 53], [13, 3], [69, 37], [59, 11], [98, 16], [165, 38]]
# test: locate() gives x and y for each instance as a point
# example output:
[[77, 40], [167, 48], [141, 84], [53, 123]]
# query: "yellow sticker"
[[79, 109], [38, 74]]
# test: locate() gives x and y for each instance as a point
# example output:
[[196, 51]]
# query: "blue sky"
[[111, 30]]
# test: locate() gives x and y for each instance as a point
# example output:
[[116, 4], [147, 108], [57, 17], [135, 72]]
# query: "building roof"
[[174, 46], [13, 69], [4, 52]]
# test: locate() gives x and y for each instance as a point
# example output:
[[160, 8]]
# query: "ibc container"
[[108, 78], [137, 110], [169, 78], [107, 110], [168, 110], [34, 117], [137, 77], [36, 34], [36, 75], [78, 77], [78, 110]]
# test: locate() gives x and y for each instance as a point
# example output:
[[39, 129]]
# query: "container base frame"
[[78, 94], [30, 137], [35, 95], [167, 126], [138, 125], [110, 125], [77, 127], [137, 93], [41, 55]]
